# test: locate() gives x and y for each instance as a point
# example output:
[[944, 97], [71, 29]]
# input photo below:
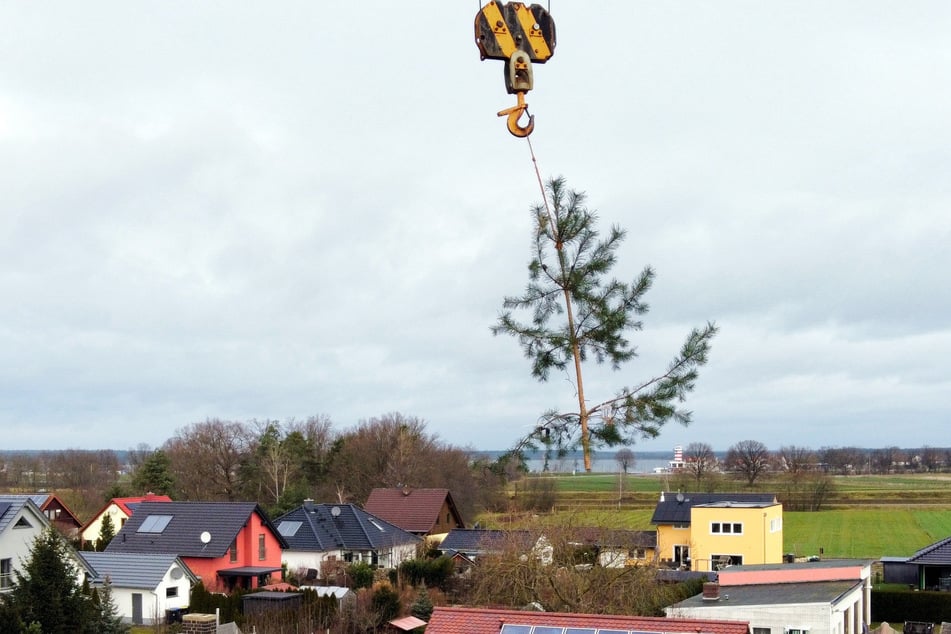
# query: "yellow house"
[[707, 531]]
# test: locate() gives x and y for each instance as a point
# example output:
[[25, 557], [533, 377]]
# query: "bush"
[[434, 573], [898, 606]]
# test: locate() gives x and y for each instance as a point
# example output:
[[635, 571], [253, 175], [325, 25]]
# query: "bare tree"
[[795, 460], [699, 460], [750, 458], [206, 459], [625, 459], [931, 459], [884, 460]]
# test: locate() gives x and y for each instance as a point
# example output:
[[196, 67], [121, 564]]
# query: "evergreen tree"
[[575, 313], [106, 532], [47, 592], [422, 607], [155, 475], [108, 621]]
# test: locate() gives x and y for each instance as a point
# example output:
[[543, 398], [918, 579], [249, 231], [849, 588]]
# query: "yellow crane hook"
[[515, 113]]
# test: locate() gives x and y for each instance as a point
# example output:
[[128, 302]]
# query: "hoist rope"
[[541, 185]]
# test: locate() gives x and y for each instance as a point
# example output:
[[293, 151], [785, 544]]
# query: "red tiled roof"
[[413, 510], [446, 620], [123, 503]]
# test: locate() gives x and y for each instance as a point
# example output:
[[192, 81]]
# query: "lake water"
[[601, 462]]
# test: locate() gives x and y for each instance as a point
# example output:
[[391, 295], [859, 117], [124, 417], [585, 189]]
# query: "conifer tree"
[[47, 592], [154, 474], [574, 314], [107, 531]]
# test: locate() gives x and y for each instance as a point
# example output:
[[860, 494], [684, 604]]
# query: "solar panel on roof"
[[154, 524], [547, 629], [579, 630], [516, 629], [613, 632], [4, 507], [288, 528]]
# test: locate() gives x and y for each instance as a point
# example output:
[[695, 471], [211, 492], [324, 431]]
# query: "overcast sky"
[[274, 210]]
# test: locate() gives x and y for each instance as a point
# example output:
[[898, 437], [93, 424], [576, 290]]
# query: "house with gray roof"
[[933, 565], [21, 522], [147, 589], [825, 597], [323, 536], [228, 545]]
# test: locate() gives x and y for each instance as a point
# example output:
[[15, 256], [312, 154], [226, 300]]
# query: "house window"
[[681, 526], [637, 553], [262, 549], [233, 551], [726, 528], [790, 630], [171, 592], [775, 524], [722, 561], [761, 630], [6, 574], [23, 523]]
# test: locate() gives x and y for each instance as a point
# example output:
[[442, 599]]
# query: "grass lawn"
[[864, 533]]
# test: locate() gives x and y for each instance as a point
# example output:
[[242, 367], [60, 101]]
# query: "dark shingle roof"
[[937, 553], [674, 508], [133, 570], [11, 505], [314, 527], [448, 620], [413, 510], [182, 534], [479, 540]]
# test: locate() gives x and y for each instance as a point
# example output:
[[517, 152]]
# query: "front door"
[[137, 608]]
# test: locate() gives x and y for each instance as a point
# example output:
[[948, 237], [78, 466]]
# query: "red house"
[[228, 545]]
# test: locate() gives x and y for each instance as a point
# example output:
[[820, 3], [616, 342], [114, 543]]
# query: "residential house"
[[823, 597], [322, 535], [227, 545], [467, 545], [119, 510], [932, 566], [58, 514], [708, 531], [147, 589], [451, 620], [423, 512], [617, 548], [21, 522]]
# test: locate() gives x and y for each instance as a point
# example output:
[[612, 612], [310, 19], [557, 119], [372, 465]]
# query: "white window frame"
[[716, 528]]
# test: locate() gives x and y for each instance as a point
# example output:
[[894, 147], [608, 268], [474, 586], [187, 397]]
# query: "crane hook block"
[[503, 29]]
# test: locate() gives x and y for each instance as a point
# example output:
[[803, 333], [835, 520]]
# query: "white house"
[[319, 535], [146, 588], [825, 597], [21, 522]]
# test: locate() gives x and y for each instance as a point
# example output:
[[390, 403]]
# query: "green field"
[[867, 517]]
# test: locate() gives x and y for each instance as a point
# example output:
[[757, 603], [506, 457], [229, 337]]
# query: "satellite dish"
[[176, 573], [680, 498], [335, 511], [205, 537]]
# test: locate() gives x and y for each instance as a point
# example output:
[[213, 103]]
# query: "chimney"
[[199, 624], [309, 504], [149, 495], [661, 496], [711, 591]]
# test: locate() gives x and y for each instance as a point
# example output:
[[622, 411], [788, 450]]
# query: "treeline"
[[276, 464]]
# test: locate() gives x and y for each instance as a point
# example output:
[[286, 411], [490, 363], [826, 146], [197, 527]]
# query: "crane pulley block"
[[502, 29]]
